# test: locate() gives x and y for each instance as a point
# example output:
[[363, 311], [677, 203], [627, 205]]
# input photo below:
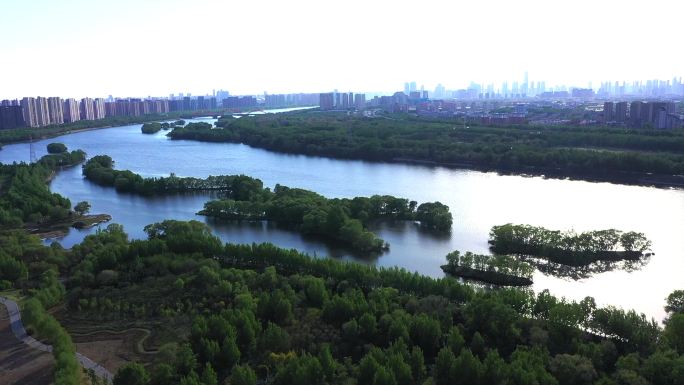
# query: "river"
[[477, 201]]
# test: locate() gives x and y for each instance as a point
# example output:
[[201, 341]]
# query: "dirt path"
[[18, 329], [19, 363]]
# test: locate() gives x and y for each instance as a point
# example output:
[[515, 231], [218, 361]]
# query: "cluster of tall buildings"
[[41, 111], [238, 102], [538, 89], [638, 114], [290, 100], [648, 88], [341, 100]]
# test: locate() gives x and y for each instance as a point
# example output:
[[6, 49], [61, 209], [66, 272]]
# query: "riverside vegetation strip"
[[634, 157], [26, 201], [252, 314], [343, 220]]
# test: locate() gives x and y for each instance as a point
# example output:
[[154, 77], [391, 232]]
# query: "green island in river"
[[245, 198], [568, 248]]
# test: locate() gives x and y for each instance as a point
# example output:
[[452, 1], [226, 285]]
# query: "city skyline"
[[78, 49], [646, 88]]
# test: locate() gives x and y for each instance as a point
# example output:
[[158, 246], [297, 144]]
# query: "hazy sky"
[[76, 48]]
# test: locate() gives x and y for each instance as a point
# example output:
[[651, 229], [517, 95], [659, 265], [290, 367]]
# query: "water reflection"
[[583, 272]]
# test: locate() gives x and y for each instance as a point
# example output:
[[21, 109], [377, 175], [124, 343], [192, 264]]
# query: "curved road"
[[19, 331]]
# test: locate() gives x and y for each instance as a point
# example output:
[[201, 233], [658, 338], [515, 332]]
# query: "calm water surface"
[[477, 200]]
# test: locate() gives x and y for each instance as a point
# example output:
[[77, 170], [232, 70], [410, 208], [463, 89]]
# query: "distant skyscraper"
[[327, 101], [360, 101], [439, 92]]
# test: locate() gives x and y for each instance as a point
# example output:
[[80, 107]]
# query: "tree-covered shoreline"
[[628, 156]]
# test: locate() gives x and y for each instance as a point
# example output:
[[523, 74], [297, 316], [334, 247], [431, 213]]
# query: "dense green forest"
[[260, 314], [601, 153], [248, 314], [24, 195], [245, 198], [568, 248]]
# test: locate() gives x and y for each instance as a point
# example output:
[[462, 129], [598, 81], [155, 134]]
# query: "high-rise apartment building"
[[55, 110], [11, 116], [87, 109], [360, 101], [99, 109], [327, 101], [42, 111], [71, 111], [620, 112], [28, 107], [608, 112], [635, 114]]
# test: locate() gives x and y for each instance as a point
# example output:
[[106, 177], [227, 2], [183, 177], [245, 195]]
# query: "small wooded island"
[[500, 270], [245, 198], [568, 248], [151, 128]]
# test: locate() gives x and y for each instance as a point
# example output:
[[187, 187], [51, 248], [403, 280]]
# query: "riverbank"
[[644, 159], [491, 277], [61, 228], [633, 179]]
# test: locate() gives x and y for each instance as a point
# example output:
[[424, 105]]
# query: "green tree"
[[384, 376], [82, 208], [56, 148], [443, 369], [208, 376], [242, 375], [455, 340], [675, 302], [131, 374], [674, 332], [468, 368], [572, 370]]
